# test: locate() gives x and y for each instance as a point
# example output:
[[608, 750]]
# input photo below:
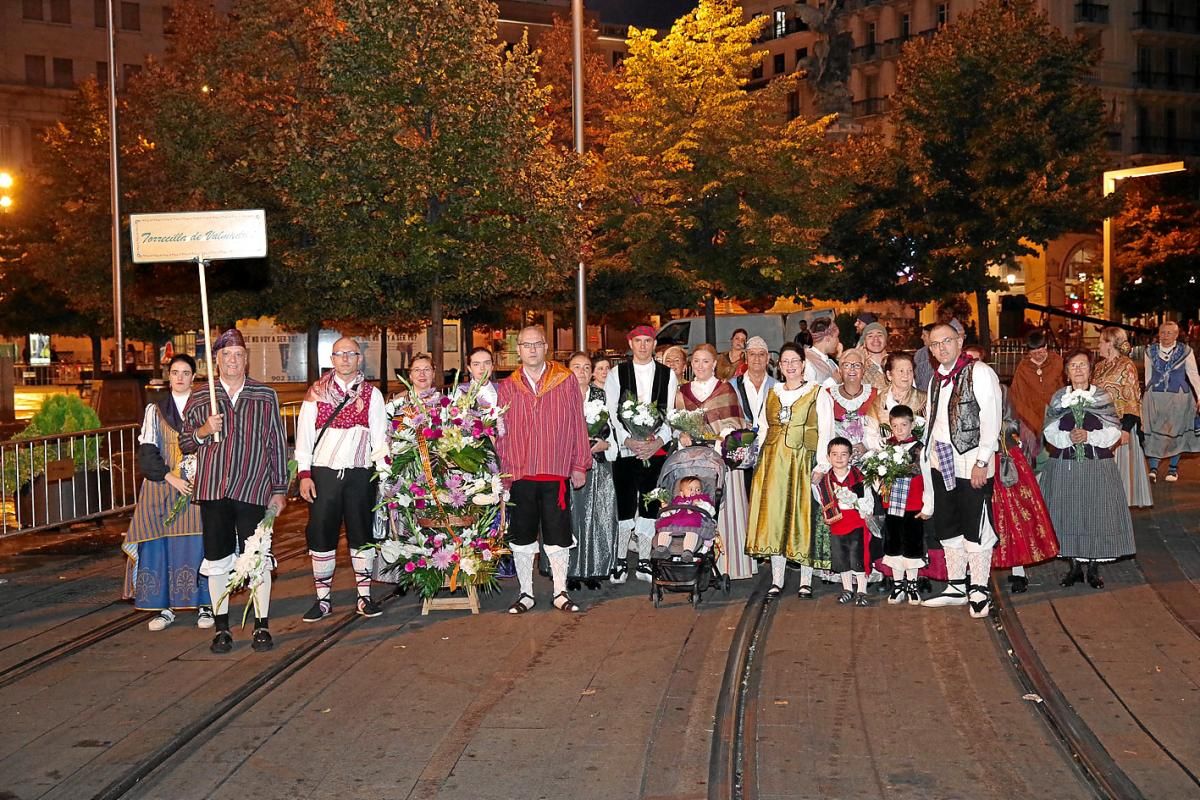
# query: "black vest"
[[658, 391], [963, 409]]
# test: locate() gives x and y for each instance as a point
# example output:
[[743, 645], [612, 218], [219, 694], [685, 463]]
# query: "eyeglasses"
[[791, 362], [853, 365], [940, 343], [346, 354], [531, 345]]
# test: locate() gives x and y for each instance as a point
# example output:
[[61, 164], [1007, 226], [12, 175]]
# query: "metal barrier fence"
[[55, 480]]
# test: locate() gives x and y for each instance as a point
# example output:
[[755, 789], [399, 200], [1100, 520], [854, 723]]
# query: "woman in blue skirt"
[[164, 545]]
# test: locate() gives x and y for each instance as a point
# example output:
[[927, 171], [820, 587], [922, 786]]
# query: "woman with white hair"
[[1170, 402]]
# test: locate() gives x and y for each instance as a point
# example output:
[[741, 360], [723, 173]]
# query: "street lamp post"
[[577, 119], [1110, 185], [115, 197]]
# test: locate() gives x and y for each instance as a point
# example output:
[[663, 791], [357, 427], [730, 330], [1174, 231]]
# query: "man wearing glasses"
[[237, 478], [961, 438], [544, 445], [341, 423]]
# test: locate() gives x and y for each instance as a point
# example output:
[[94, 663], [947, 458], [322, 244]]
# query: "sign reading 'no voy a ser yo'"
[[205, 235]]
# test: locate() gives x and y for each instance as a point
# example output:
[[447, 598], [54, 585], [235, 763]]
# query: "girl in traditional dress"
[[722, 413], [163, 559], [1080, 480], [795, 439], [1117, 375], [594, 505]]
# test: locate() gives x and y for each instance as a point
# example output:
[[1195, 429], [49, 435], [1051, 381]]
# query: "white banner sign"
[[211, 235]]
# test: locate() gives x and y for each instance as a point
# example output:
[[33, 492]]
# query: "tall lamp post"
[[577, 118], [1110, 185], [115, 197]]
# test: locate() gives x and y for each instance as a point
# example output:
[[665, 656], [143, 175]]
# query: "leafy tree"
[[1157, 258], [710, 188], [434, 184], [999, 147]]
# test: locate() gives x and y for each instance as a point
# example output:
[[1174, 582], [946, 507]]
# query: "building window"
[[101, 12], [905, 26], [131, 17], [60, 11], [618, 57], [167, 13], [757, 72], [780, 22], [871, 31], [64, 73], [129, 71], [102, 74], [1144, 62], [801, 56], [35, 70], [7, 151], [32, 9], [793, 105], [1143, 122], [943, 14], [1170, 126], [780, 63]]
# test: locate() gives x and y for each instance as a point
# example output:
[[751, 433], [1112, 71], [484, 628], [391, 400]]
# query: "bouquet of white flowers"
[[690, 422], [595, 413], [642, 420], [253, 564], [1078, 401], [885, 465]]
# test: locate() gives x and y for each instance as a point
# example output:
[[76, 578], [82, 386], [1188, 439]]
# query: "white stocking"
[[558, 567], [806, 575], [218, 589], [523, 560], [1018, 572], [645, 538], [778, 565], [624, 534], [262, 597], [956, 563], [363, 561]]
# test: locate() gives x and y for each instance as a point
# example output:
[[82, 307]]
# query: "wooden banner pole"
[[208, 353]]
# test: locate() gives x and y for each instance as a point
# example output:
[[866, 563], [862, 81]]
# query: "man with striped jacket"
[[237, 478]]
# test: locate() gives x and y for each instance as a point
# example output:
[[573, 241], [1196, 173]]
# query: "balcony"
[[1165, 146], [1114, 141], [789, 27], [871, 107], [1091, 13], [1165, 22], [1166, 81], [866, 53]]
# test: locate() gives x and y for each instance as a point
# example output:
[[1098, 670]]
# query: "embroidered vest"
[[963, 410], [1169, 375], [658, 391]]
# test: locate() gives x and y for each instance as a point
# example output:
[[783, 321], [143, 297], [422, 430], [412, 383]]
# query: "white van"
[[775, 329]]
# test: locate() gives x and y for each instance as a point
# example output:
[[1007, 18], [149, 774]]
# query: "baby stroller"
[[696, 576]]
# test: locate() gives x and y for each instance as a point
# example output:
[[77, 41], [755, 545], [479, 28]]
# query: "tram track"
[[734, 767], [88, 638]]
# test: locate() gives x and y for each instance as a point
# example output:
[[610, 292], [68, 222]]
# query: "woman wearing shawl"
[[594, 505], [1080, 481], [718, 401], [1171, 401], [164, 557], [1117, 375], [1037, 377]]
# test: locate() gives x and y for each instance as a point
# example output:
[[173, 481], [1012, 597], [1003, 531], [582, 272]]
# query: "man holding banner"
[[241, 469]]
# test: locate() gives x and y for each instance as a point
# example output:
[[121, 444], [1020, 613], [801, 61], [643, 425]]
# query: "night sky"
[[642, 13]]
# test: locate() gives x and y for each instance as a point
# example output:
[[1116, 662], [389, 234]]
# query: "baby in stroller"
[[685, 517]]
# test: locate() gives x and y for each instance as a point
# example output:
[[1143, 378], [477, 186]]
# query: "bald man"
[[341, 423]]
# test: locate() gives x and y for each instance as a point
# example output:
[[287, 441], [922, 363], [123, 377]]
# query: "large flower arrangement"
[[443, 492]]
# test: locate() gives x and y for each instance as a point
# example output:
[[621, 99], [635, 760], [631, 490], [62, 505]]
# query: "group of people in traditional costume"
[[998, 478]]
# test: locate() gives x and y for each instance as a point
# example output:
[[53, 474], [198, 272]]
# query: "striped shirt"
[[544, 429], [250, 461]]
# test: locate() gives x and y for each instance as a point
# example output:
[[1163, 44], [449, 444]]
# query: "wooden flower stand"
[[454, 602]]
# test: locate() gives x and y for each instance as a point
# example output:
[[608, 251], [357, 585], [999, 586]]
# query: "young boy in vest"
[[909, 504], [846, 500]]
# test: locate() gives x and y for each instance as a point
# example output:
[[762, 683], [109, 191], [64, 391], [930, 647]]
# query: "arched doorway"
[[1082, 275]]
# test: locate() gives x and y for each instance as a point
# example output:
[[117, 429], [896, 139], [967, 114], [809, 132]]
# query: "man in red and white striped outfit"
[[236, 478], [544, 445]]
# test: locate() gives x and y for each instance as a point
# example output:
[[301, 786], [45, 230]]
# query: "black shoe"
[[222, 643], [1093, 576], [1018, 584], [573, 585], [1074, 574], [592, 584], [262, 641], [367, 608], [319, 611]]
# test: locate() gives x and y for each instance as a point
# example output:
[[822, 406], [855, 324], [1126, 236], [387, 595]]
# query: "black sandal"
[[567, 606], [805, 592], [774, 591], [519, 607], [222, 642]]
